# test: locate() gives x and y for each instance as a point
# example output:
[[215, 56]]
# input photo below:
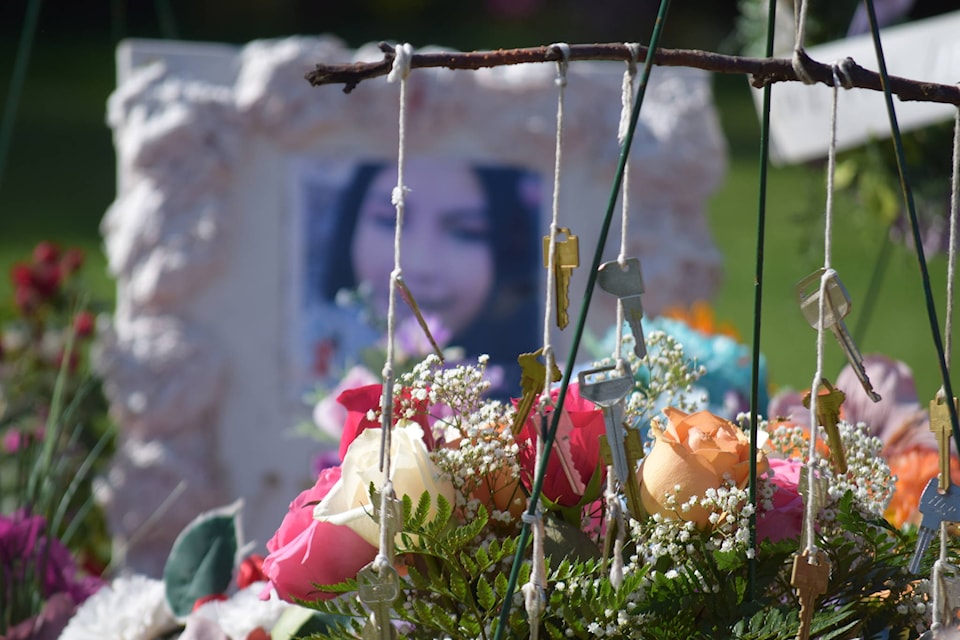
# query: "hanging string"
[[952, 251], [810, 504], [400, 72], [615, 520], [941, 566], [550, 303], [534, 590], [800, 18], [504, 619], [626, 99]]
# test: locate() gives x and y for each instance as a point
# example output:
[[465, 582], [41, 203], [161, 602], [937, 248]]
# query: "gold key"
[[532, 381], [811, 574], [566, 259], [828, 415], [941, 427]]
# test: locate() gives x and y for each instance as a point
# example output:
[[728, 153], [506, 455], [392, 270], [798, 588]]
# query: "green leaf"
[[458, 587], [500, 583], [563, 540], [203, 558], [485, 594]]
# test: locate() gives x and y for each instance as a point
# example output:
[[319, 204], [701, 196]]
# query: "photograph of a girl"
[[470, 255]]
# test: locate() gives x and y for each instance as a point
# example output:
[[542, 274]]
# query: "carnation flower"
[[241, 614], [130, 608]]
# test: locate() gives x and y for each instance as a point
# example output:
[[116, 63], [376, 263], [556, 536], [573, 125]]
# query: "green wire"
[[17, 80], [168, 23], [758, 304], [914, 223], [581, 322]]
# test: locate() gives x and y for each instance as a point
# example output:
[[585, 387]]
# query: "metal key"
[[828, 416], [942, 428], [566, 259], [936, 507], [608, 394], [532, 379], [836, 308], [626, 282], [811, 574], [633, 447], [378, 590]]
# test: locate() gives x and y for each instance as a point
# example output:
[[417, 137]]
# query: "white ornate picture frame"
[[202, 240]]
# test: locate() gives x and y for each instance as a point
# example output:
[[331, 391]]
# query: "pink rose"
[[304, 551], [785, 519], [576, 455]]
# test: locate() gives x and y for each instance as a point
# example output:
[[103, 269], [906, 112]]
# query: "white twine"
[[828, 273], [615, 518], [940, 565], [952, 252], [400, 71], [534, 591], [550, 302], [626, 108], [800, 17]]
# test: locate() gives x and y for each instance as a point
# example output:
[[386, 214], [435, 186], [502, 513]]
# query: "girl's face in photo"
[[446, 253]]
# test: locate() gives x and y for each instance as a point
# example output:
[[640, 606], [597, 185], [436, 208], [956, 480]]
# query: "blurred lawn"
[[60, 180], [898, 325]]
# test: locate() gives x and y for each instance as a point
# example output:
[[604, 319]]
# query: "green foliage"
[[54, 430], [455, 583]]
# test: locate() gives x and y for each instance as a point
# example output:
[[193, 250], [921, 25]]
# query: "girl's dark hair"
[[508, 324]]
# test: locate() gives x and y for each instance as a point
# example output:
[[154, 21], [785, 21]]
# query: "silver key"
[[626, 282], [936, 507], [378, 590], [836, 308], [608, 394]]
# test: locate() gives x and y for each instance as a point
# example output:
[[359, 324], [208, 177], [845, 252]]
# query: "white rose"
[[411, 470]]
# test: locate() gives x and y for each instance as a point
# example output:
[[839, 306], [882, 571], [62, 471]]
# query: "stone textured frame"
[[194, 364]]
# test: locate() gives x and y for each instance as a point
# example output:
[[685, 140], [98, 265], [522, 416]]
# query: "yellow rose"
[[694, 452], [411, 469]]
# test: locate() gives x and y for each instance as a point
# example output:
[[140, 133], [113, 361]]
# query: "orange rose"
[[694, 452]]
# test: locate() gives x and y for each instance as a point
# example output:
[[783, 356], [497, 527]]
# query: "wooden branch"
[[763, 71]]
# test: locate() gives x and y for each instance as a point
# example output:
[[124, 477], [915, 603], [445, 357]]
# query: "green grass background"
[[60, 180]]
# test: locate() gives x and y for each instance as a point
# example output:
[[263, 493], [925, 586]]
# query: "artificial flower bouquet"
[[681, 565]]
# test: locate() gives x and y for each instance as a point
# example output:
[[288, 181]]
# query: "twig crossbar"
[[762, 71]]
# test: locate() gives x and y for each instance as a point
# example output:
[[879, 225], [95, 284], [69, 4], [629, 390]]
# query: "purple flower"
[[411, 339], [26, 553]]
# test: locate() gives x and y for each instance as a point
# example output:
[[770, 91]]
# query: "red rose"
[[305, 551], [362, 401], [83, 324], [46, 253], [250, 571], [72, 261], [576, 452], [20, 274]]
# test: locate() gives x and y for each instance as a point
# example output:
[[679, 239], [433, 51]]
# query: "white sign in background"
[[926, 50]]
